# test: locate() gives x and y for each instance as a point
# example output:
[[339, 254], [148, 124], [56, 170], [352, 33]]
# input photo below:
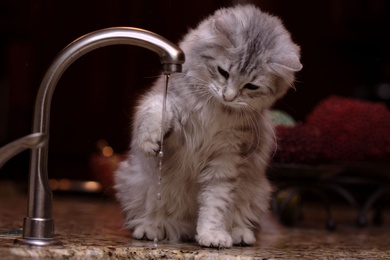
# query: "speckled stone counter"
[[90, 228]]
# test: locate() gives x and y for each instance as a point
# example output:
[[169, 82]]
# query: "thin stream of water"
[[161, 152]]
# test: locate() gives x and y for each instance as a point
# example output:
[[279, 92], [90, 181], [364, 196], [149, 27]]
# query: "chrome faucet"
[[38, 226]]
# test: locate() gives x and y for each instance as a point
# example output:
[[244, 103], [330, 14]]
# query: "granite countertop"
[[91, 228]]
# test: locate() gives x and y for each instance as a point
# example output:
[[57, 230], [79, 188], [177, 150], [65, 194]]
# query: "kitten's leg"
[[243, 236], [214, 215], [136, 191], [148, 230], [251, 202], [148, 122], [242, 227]]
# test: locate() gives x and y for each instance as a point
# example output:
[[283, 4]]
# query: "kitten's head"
[[242, 56]]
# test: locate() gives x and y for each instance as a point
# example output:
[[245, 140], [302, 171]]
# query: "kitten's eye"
[[223, 72], [251, 86]]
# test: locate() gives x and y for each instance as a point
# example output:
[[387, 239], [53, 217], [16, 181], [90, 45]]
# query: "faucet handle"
[[35, 140]]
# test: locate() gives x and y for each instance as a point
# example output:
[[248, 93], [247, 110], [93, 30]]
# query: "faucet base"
[[38, 242], [38, 232], [41, 228]]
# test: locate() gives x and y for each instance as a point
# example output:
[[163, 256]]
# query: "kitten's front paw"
[[150, 148], [149, 141], [213, 238], [145, 231], [243, 236]]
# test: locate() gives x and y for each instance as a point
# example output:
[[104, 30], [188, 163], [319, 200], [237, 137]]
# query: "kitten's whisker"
[[190, 89], [270, 127], [152, 77], [252, 123], [197, 79], [189, 95]]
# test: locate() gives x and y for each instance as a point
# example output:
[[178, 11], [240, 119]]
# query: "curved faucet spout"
[[38, 225], [171, 58]]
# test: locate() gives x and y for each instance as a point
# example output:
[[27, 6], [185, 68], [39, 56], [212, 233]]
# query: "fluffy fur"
[[218, 138]]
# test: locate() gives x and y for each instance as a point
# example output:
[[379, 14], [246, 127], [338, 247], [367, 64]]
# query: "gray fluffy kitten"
[[218, 138]]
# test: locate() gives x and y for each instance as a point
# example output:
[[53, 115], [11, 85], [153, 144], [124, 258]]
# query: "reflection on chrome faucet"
[[38, 226]]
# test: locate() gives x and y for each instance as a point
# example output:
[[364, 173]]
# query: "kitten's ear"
[[222, 28], [289, 61]]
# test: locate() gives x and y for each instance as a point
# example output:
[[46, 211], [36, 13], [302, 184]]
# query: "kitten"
[[218, 138]]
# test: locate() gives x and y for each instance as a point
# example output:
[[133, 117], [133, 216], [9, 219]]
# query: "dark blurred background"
[[345, 51]]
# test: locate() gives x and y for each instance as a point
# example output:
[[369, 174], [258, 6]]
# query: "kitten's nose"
[[229, 95]]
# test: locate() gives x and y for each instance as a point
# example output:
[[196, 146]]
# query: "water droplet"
[[160, 166], [155, 241], [158, 196]]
